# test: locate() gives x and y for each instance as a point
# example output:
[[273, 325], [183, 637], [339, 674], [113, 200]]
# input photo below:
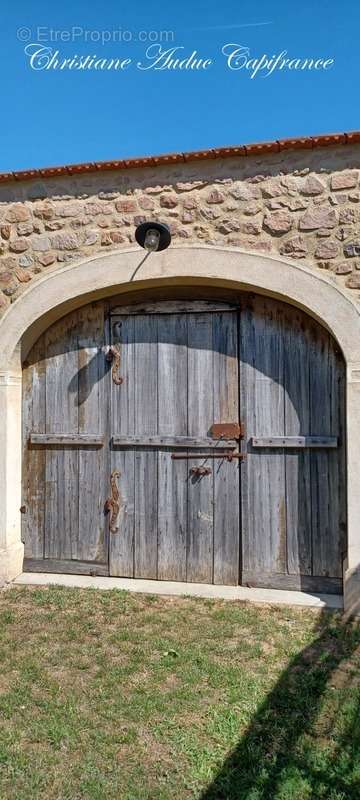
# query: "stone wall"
[[299, 204]]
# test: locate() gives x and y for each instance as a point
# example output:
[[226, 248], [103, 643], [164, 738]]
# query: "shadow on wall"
[[304, 741]]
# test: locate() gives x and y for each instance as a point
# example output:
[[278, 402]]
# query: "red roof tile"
[[257, 148]]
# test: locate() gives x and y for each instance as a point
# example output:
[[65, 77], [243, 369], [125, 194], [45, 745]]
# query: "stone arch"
[[59, 291]]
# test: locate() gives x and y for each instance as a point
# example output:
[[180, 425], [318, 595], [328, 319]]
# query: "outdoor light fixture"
[[152, 239], [153, 236]]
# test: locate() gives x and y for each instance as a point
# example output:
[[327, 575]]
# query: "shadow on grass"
[[304, 741]]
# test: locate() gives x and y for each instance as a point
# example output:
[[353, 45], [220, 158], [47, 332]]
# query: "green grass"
[[112, 696]]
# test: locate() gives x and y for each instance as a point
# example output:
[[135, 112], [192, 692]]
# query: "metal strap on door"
[[295, 442]]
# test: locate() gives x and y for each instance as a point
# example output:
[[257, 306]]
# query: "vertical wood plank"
[[262, 410], [92, 541], [146, 501], [297, 422], [338, 416], [226, 474], [324, 404], [123, 422], [62, 464], [172, 420], [200, 418], [146, 466], [33, 466]]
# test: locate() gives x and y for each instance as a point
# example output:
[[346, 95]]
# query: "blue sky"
[[52, 116]]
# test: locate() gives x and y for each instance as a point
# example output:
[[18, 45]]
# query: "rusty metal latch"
[[227, 455], [113, 355], [200, 471], [112, 504], [227, 430]]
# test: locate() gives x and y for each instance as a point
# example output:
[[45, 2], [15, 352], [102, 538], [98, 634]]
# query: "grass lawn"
[[108, 695]]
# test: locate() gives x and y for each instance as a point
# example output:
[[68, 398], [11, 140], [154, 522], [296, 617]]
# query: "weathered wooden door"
[[129, 436], [179, 375], [65, 448], [293, 484]]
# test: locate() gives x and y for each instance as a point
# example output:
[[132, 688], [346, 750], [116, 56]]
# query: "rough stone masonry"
[[300, 204]]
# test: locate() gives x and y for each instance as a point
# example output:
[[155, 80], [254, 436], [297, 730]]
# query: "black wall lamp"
[[153, 236]]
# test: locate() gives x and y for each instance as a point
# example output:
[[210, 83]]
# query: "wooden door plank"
[[67, 439], [304, 583], [332, 563], [62, 465], [172, 517], [146, 467], [92, 540], [226, 474], [326, 533], [173, 307], [338, 422], [66, 567], [200, 419], [172, 419], [297, 464], [123, 424], [146, 511], [320, 421], [262, 411], [33, 467]]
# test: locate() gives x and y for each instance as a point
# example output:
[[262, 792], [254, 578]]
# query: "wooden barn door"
[[293, 485], [65, 453], [119, 417], [179, 376]]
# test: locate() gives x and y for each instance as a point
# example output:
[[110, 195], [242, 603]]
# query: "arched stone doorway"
[[60, 291], [218, 430]]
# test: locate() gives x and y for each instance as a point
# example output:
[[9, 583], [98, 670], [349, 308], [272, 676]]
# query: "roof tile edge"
[[233, 151]]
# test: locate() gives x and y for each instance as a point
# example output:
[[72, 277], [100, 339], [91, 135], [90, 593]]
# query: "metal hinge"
[[113, 355], [112, 504]]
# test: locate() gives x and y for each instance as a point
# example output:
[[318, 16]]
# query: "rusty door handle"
[[200, 471], [113, 355], [112, 504]]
